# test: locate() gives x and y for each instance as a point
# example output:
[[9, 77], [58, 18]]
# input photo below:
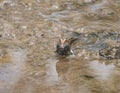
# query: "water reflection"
[[11, 72], [101, 70], [51, 73]]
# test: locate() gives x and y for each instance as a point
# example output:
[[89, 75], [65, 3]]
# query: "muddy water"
[[29, 31]]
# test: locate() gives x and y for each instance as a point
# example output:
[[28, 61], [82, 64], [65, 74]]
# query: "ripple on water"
[[99, 5]]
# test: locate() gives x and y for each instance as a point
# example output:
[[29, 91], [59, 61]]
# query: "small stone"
[[42, 34], [55, 6], [89, 1], [24, 27]]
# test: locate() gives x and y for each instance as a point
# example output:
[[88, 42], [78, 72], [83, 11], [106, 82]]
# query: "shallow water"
[[29, 32]]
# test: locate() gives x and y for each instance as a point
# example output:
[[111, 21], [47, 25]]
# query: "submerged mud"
[[29, 32]]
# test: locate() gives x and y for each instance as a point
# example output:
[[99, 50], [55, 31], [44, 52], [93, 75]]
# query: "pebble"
[[24, 27]]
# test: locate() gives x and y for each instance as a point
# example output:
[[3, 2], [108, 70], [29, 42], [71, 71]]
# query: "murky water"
[[29, 32]]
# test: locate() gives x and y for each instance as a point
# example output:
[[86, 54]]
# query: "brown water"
[[29, 31]]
